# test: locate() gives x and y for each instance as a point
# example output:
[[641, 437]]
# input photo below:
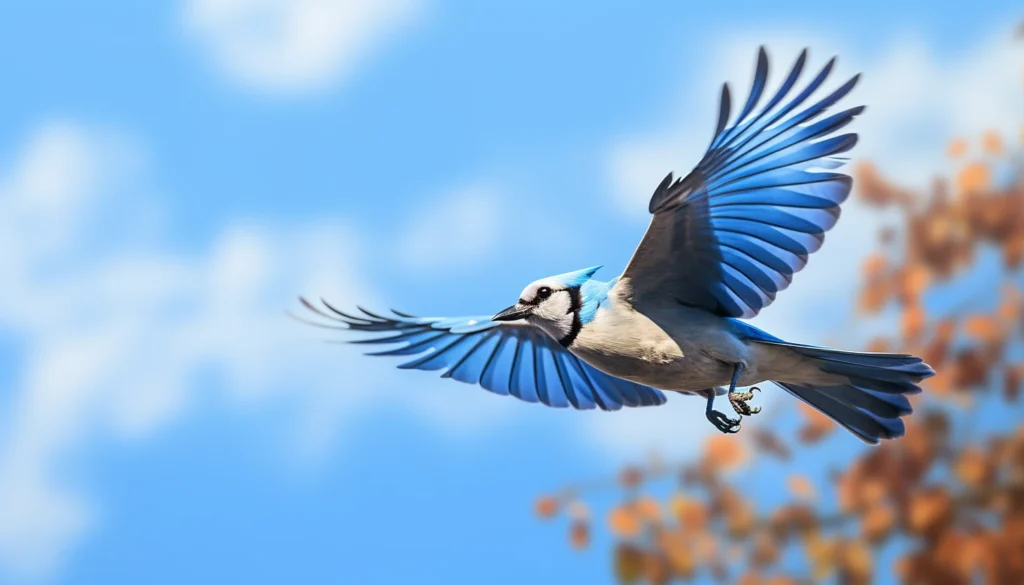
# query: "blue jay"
[[722, 242]]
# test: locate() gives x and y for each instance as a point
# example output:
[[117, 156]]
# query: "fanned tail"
[[864, 392]]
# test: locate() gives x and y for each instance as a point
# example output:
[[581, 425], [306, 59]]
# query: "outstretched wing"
[[730, 235], [505, 358]]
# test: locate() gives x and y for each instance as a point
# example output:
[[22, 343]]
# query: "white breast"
[[618, 334]]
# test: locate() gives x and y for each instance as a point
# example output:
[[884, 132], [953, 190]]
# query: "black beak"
[[513, 313]]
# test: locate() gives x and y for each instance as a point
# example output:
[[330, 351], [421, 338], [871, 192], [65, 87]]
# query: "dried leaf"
[[656, 568], [766, 551], [1011, 383], [579, 534], [856, 564], [629, 563], [974, 468], [648, 509], [912, 323], [801, 487], [984, 328], [679, 552], [630, 477], [874, 266], [956, 148], [877, 523], [992, 142], [690, 513], [766, 441], [816, 426], [875, 189], [724, 451], [973, 178], [546, 507], [931, 510], [624, 522]]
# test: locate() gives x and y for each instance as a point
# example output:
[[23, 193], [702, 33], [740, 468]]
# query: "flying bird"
[[722, 242]]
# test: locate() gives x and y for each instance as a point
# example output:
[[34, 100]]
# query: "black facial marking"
[[575, 304]]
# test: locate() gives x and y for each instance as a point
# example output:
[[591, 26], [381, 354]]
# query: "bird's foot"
[[722, 422], [739, 402]]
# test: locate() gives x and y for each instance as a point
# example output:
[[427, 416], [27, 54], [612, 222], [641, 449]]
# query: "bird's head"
[[551, 303]]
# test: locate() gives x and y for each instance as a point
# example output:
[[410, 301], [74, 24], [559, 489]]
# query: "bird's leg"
[[739, 400], [721, 422]]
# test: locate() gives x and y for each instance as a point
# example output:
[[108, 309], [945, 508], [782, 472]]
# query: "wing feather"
[[731, 234], [507, 359]]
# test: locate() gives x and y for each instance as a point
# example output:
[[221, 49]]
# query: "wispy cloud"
[[457, 229], [120, 329], [293, 46], [117, 327]]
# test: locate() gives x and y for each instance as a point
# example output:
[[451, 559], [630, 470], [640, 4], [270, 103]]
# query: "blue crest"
[[578, 277]]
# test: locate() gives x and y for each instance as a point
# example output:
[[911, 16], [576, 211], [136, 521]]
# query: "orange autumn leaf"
[[1010, 307], [816, 425], [657, 570], [679, 553], [912, 323], [974, 468], [992, 142], [801, 487], [648, 509], [546, 507], [874, 265], [725, 451], [766, 550], [878, 345], [877, 522], [915, 280], [856, 563], [973, 177], [873, 295], [624, 522], [983, 328], [876, 189], [629, 563], [1012, 382], [579, 534], [956, 147], [690, 513], [930, 510]]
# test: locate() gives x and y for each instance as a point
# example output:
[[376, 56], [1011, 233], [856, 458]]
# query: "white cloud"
[[459, 229], [294, 46], [117, 337]]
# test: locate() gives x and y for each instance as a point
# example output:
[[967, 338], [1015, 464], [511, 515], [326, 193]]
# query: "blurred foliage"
[[946, 501]]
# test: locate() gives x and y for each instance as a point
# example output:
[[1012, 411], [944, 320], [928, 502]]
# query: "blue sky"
[[172, 174]]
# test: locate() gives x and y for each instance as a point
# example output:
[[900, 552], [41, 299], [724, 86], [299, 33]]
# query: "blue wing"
[[731, 234], [505, 358]]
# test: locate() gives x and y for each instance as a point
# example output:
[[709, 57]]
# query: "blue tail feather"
[[874, 396]]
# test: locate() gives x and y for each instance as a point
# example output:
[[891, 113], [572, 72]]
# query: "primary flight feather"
[[723, 241]]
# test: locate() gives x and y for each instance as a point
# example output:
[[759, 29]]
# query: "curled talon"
[[723, 423], [739, 401]]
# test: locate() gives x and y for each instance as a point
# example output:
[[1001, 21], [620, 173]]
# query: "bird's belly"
[[667, 371]]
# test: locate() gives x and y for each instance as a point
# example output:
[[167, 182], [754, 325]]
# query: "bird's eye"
[[543, 292]]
